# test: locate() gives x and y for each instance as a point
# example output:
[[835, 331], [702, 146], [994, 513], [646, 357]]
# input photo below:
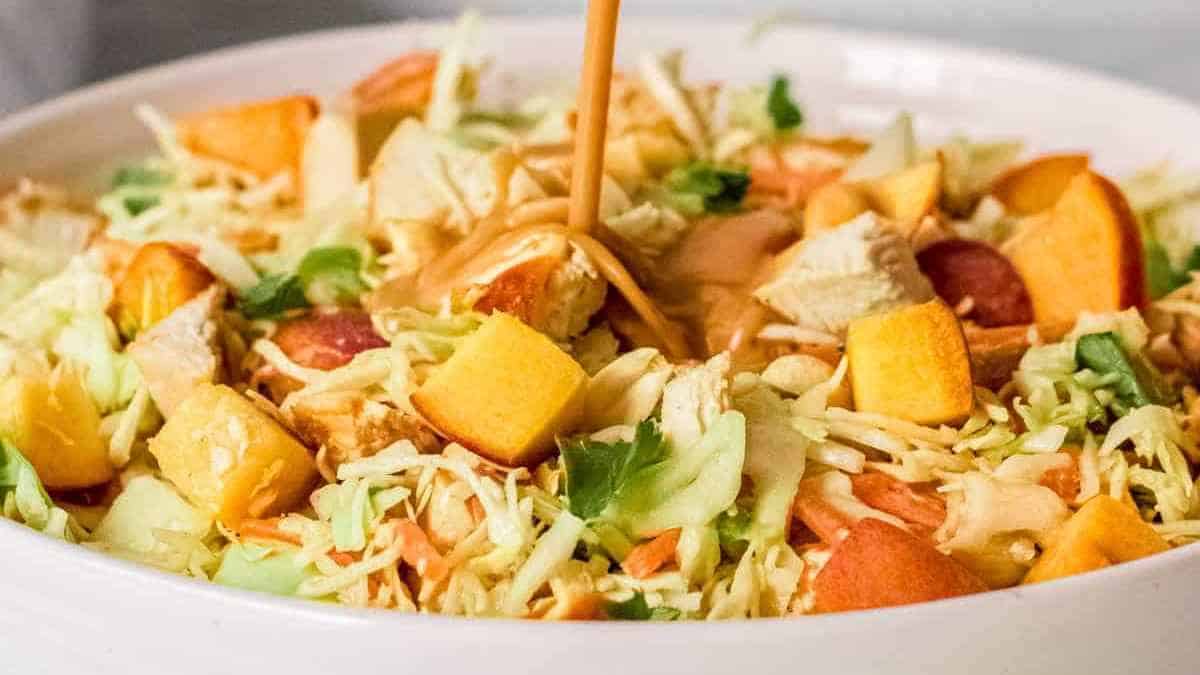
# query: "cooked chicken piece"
[[547, 283], [181, 352], [860, 268], [352, 426]]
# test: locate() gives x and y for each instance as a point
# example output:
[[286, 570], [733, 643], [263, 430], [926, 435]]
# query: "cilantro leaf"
[[331, 274], [140, 176], [1161, 276], [272, 295], [701, 186], [784, 112], [733, 531], [597, 473], [1137, 384], [137, 205], [636, 609]]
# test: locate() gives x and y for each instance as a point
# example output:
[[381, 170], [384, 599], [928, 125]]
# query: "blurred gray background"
[[50, 46]]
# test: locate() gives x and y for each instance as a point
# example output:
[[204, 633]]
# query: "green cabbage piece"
[[647, 486], [149, 522], [263, 569], [775, 459], [1159, 442], [331, 275], [1136, 382], [66, 316], [24, 498], [702, 187]]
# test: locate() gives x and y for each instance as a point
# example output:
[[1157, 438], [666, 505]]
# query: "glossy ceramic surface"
[[67, 608]]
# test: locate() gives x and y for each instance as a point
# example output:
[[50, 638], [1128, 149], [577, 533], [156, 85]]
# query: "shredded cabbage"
[[24, 499]]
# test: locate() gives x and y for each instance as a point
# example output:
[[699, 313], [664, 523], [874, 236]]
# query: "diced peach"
[[160, 279], [881, 565], [832, 205], [1037, 185], [398, 89], [973, 271], [506, 393], [1086, 256], [327, 339], [232, 459], [1065, 480], [911, 363], [907, 196], [265, 137], [1103, 532], [55, 425]]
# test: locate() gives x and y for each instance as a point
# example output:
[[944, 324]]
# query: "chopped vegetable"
[[1137, 383], [274, 295], [260, 568], [701, 187], [23, 498], [331, 275], [599, 474], [636, 609], [784, 112]]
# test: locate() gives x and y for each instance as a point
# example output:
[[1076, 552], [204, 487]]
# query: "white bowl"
[[65, 607]]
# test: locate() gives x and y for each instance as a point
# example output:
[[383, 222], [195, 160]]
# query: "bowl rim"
[[102, 565]]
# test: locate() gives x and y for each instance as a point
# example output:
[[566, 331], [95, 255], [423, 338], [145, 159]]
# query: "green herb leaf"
[[733, 531], [783, 110], [504, 118], [273, 295], [137, 205], [331, 274], [1161, 276], [1138, 383], [140, 176], [597, 473], [636, 609], [708, 187]]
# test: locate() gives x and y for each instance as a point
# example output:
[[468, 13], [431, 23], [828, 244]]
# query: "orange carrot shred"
[[266, 529], [419, 553], [648, 557]]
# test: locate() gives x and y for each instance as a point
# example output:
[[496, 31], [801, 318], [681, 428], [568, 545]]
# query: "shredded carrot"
[[903, 500], [419, 553], [648, 557], [829, 524], [266, 529], [342, 558], [793, 186], [1064, 481]]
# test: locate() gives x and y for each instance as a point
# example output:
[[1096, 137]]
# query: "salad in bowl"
[[349, 350]]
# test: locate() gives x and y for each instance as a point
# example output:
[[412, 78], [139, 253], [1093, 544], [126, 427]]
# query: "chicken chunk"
[[181, 351], [553, 287], [862, 267], [351, 426]]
